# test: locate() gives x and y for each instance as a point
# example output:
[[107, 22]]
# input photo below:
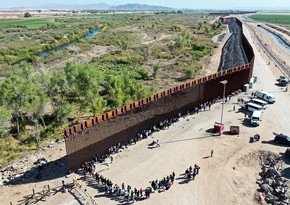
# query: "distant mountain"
[[99, 6], [140, 7]]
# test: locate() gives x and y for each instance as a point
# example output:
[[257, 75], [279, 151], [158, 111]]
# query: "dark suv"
[[283, 81], [282, 139]]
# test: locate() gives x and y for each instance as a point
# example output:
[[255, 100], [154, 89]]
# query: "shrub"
[[156, 68]]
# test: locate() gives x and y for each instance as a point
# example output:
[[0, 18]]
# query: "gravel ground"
[[233, 53]]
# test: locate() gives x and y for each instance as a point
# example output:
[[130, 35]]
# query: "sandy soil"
[[227, 178]]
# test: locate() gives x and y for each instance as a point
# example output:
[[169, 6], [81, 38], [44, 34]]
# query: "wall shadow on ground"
[[49, 171]]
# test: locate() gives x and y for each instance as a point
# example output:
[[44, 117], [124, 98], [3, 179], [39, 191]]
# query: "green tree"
[[199, 25], [5, 118], [58, 90], [84, 81], [27, 15], [62, 111], [36, 111], [17, 93]]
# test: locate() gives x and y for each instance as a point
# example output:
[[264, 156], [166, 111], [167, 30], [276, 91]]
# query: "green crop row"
[[29, 23], [272, 18]]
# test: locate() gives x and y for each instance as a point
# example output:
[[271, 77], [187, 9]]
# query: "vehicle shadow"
[[228, 132], [274, 143], [284, 158], [210, 130], [246, 123], [286, 173]]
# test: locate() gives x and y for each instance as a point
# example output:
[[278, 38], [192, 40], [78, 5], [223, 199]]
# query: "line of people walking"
[[192, 172], [130, 194]]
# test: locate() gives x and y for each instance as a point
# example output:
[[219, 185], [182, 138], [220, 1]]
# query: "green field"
[[30, 23], [272, 18]]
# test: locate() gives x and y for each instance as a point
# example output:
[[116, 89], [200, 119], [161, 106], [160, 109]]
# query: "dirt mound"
[[255, 158]]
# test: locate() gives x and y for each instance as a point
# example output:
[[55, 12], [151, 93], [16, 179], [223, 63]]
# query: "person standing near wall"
[[158, 143]]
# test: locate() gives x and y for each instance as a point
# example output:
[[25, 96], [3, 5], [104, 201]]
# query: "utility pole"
[[224, 82]]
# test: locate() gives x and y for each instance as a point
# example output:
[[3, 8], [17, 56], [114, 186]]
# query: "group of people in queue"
[[130, 194], [192, 172], [161, 185]]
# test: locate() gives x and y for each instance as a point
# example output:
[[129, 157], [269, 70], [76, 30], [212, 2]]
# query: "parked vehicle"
[[263, 95], [256, 118], [234, 130], [255, 138], [282, 139], [251, 107], [259, 102], [283, 81]]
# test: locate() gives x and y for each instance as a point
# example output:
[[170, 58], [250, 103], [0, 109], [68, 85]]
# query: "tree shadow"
[[49, 171]]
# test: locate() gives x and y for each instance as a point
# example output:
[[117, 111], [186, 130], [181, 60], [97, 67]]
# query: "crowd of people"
[[88, 167], [164, 124], [163, 184], [192, 172], [127, 192]]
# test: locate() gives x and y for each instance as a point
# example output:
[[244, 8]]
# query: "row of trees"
[[27, 95]]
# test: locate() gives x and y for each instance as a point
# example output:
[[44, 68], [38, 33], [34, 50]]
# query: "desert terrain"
[[229, 177]]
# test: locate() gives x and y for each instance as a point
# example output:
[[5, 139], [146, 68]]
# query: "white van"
[[259, 102], [251, 107], [265, 96], [256, 118]]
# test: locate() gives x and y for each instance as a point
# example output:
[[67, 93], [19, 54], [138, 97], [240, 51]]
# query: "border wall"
[[95, 135]]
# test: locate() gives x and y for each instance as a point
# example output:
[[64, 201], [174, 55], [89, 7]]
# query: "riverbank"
[[280, 36]]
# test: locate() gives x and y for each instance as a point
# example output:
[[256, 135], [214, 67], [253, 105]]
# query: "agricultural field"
[[29, 23], [272, 18], [131, 57]]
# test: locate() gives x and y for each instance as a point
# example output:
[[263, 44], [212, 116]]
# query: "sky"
[[189, 4]]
